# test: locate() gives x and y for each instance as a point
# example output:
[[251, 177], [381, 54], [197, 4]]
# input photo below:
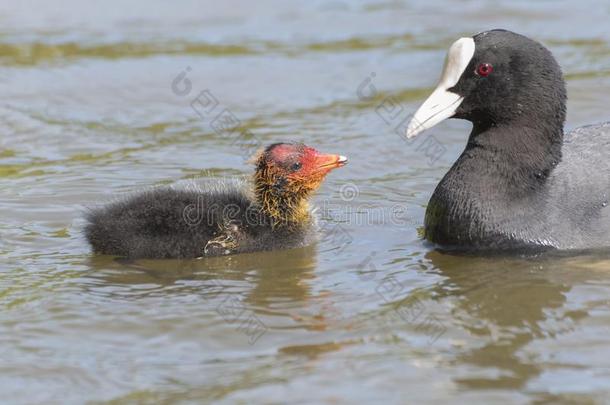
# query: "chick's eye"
[[296, 166], [484, 69]]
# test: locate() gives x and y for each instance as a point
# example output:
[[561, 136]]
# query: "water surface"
[[96, 102]]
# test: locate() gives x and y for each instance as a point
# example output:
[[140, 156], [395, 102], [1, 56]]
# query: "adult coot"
[[225, 218], [520, 183]]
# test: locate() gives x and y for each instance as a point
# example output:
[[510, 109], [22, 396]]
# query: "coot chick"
[[270, 213], [518, 185]]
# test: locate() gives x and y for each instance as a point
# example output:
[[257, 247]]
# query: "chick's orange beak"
[[329, 162]]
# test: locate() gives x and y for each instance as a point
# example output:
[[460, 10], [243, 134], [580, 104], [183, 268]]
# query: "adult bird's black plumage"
[[520, 183], [224, 218]]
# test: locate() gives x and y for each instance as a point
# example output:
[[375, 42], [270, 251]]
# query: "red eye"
[[484, 69]]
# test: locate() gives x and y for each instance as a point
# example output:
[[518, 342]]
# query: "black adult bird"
[[518, 185], [270, 213]]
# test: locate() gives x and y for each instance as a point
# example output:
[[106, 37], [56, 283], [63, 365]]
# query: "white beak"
[[442, 103]]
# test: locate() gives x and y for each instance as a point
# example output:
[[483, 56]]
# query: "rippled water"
[[94, 105]]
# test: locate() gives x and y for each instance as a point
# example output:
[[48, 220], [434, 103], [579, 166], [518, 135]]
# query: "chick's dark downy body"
[[224, 218], [170, 223]]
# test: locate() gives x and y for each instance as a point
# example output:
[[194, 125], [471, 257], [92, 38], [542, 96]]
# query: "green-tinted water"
[[94, 105]]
